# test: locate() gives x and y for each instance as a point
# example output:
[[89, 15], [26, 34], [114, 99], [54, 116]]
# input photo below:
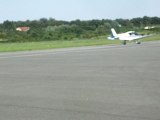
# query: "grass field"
[[28, 46]]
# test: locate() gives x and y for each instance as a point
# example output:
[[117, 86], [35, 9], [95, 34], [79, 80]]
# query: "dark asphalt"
[[90, 83]]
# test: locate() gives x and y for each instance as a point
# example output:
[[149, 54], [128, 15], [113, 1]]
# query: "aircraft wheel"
[[138, 42], [124, 42]]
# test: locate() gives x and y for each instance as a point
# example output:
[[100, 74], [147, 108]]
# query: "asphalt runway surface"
[[87, 83]]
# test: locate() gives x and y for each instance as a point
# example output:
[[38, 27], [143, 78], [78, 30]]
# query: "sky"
[[15, 10]]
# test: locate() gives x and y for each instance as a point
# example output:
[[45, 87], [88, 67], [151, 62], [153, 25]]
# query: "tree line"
[[50, 29]]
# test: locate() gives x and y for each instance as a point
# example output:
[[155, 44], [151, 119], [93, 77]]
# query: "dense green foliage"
[[51, 29]]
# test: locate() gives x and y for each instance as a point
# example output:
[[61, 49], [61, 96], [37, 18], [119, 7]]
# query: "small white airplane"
[[128, 36]]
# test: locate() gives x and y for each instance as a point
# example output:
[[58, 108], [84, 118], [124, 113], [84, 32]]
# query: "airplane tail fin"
[[114, 34]]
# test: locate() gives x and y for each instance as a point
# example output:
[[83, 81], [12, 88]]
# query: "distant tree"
[[9, 26], [155, 20], [124, 23], [43, 22], [146, 20], [35, 24], [102, 30], [137, 22]]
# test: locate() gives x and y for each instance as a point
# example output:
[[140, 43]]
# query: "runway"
[[87, 83]]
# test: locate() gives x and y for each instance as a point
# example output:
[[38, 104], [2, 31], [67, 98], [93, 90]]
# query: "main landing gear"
[[124, 42], [138, 42]]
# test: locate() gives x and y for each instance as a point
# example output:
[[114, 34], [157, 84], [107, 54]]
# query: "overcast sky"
[[77, 9]]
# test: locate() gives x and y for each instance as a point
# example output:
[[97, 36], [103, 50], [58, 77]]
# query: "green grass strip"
[[28, 46]]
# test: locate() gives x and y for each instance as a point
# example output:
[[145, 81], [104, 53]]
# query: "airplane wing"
[[134, 37], [131, 38]]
